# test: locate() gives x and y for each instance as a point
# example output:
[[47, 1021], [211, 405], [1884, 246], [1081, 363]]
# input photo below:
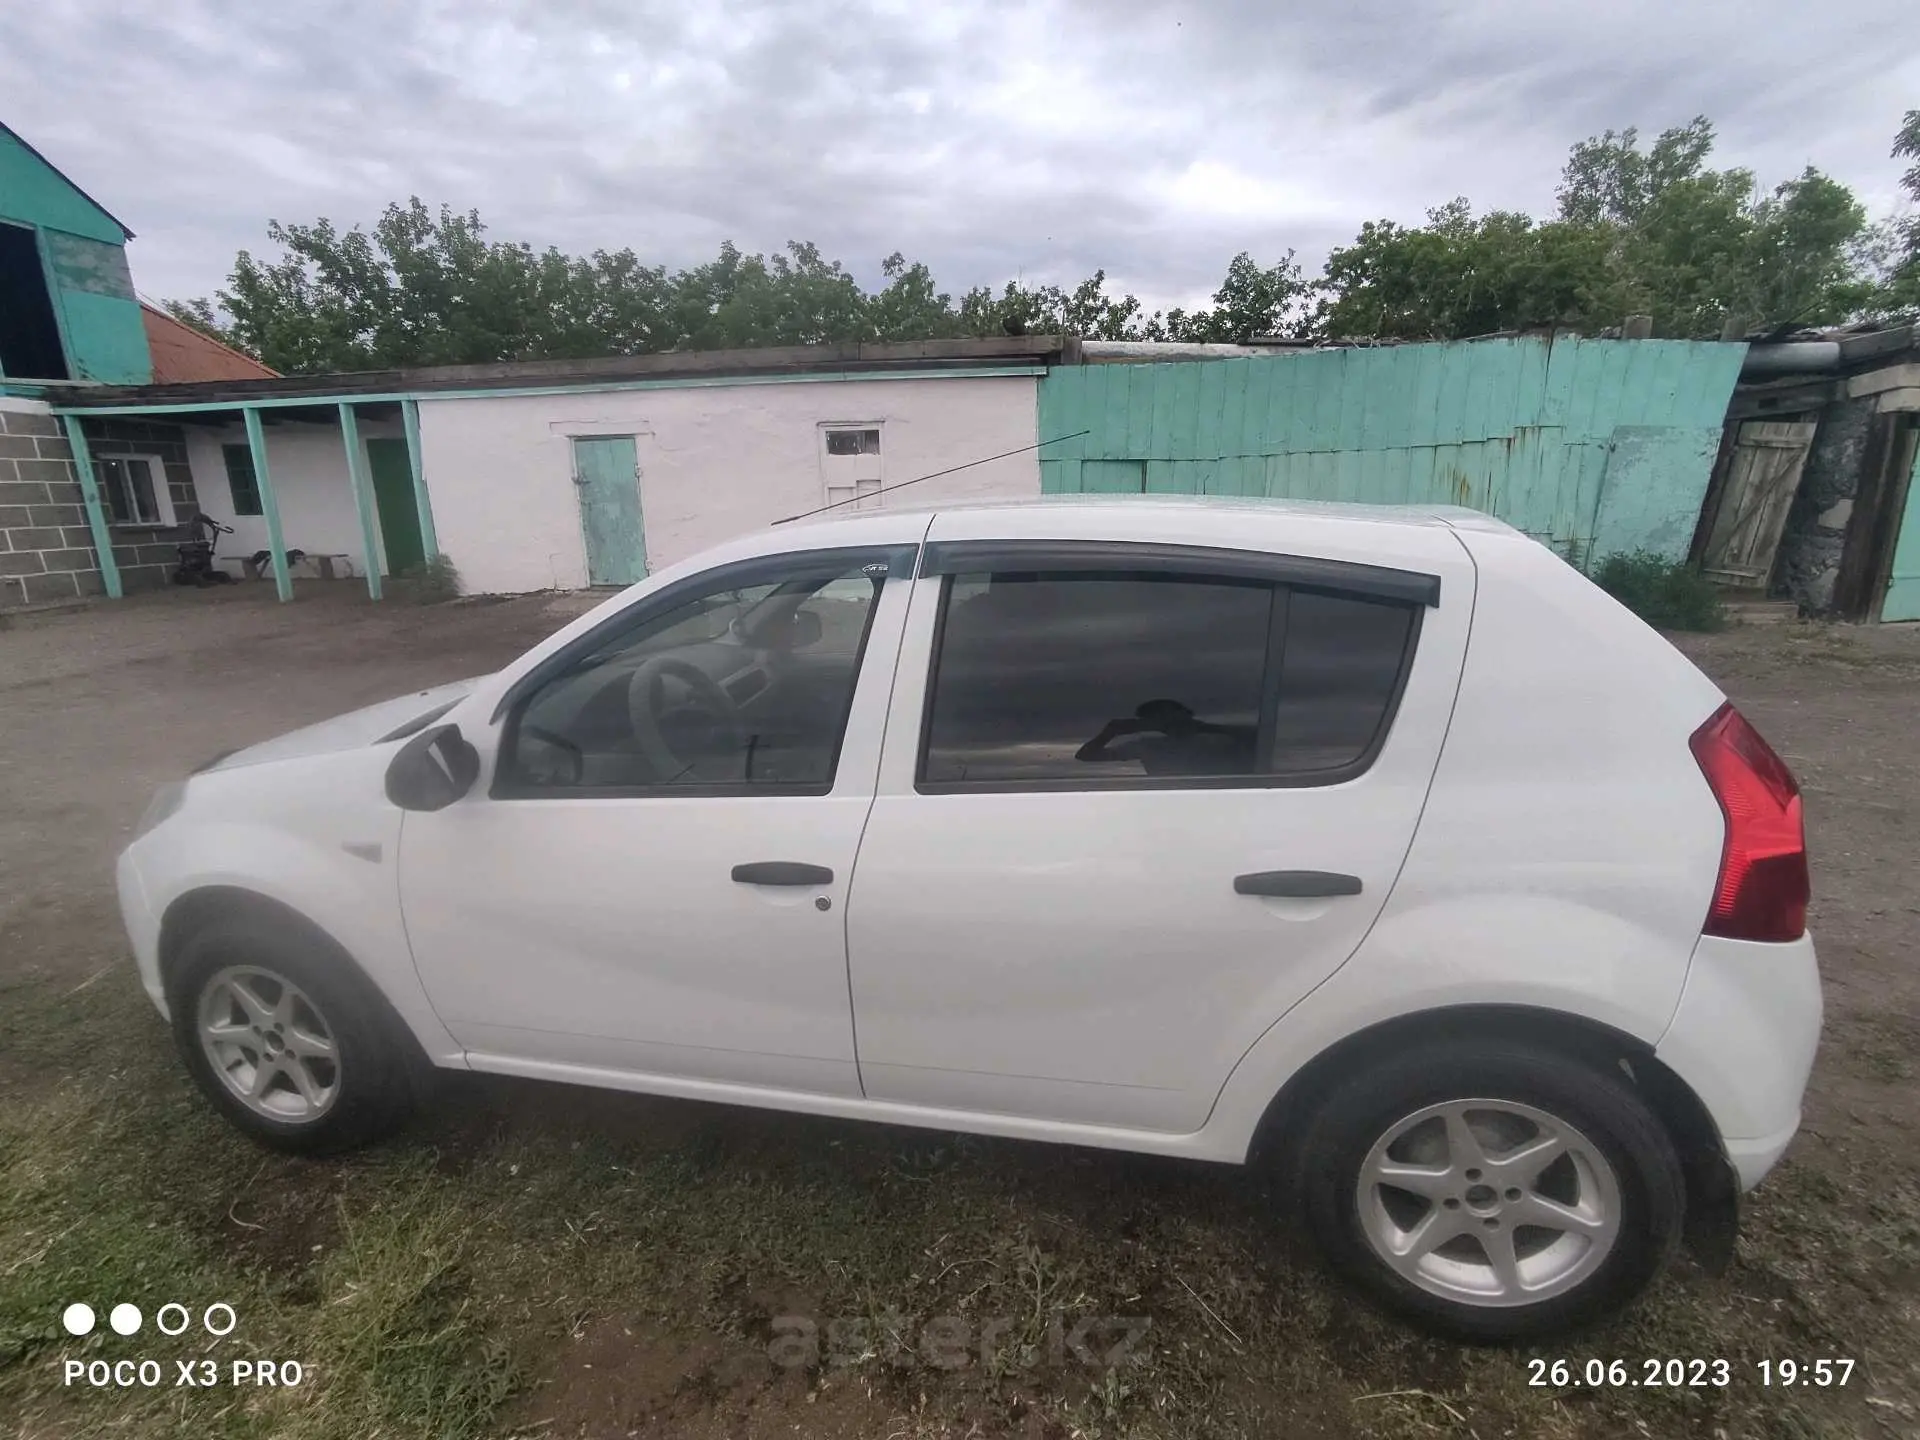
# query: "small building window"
[[242, 484], [853, 442], [135, 489], [850, 468]]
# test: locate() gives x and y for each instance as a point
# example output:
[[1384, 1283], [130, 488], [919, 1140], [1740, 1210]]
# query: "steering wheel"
[[647, 706]]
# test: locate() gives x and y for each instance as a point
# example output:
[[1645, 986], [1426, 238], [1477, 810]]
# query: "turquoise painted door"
[[1903, 585], [606, 472]]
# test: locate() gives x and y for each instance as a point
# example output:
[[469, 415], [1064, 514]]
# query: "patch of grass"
[[433, 581], [436, 1286], [1667, 594]]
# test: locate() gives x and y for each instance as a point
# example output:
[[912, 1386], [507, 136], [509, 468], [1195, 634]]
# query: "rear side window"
[[1077, 679], [1339, 677]]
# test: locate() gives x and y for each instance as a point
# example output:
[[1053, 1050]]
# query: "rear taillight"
[[1762, 890]]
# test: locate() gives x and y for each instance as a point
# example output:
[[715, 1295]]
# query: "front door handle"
[[782, 872], [1296, 884]]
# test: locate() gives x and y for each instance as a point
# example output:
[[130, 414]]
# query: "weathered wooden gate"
[[1750, 499]]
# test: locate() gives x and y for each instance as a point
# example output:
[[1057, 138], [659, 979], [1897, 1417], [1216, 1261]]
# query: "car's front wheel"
[[286, 1039], [1495, 1193]]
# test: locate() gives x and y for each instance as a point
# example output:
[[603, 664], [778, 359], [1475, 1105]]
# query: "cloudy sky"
[[990, 138]]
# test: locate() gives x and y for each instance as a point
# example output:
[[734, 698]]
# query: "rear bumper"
[[1744, 1038], [1752, 1159]]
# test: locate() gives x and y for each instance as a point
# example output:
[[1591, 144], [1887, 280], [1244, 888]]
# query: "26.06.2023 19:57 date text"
[[1822, 1373]]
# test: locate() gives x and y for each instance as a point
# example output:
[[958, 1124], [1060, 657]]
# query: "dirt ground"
[[99, 706]]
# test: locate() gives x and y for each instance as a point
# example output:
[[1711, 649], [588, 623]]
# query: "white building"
[[563, 474]]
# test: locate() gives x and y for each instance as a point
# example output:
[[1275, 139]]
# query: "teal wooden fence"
[[1594, 446]]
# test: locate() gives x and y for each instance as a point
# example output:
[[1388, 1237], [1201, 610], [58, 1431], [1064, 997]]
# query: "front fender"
[[325, 845]]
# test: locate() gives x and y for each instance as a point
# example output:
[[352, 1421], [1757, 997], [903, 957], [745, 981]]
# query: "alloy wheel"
[[1489, 1202], [269, 1044]]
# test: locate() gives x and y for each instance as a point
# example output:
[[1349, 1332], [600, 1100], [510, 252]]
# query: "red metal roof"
[[183, 355]]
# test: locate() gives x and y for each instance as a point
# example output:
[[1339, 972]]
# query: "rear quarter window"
[[1339, 677]]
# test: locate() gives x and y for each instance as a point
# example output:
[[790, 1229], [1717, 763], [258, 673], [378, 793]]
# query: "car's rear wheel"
[[286, 1039], [1496, 1193]]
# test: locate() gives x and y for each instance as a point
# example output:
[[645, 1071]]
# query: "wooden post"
[[362, 498], [269, 505], [96, 513], [429, 542], [1735, 328], [1637, 327]]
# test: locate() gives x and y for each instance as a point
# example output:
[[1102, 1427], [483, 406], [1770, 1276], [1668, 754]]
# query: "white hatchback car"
[[1376, 841]]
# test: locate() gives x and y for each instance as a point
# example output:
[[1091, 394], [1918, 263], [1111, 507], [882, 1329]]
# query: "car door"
[[651, 882], [1137, 800]]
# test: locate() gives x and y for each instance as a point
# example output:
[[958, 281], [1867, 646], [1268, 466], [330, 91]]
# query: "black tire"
[[378, 1064], [1365, 1104]]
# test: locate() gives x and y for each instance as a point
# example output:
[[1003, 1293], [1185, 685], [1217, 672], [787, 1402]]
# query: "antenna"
[[951, 469]]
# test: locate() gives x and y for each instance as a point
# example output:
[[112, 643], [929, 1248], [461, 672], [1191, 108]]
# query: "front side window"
[[1078, 679], [741, 687], [135, 490]]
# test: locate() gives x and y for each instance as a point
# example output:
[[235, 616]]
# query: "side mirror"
[[806, 631], [432, 770]]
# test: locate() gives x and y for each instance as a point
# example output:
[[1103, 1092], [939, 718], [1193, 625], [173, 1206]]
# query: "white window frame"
[[164, 517], [832, 467]]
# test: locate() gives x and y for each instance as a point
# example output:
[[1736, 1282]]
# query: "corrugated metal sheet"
[[1594, 446]]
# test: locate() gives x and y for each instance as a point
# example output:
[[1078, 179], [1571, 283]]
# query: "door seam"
[[860, 841]]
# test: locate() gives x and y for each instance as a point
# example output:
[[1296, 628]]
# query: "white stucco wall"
[[714, 463], [308, 467]]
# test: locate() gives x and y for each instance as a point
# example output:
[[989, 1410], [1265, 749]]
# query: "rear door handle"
[[1296, 884], [782, 872]]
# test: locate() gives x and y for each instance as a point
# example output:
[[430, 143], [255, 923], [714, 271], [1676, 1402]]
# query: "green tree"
[[1802, 266], [427, 288], [1693, 244], [430, 289], [1087, 311], [1459, 276], [1900, 292], [1651, 231], [1608, 178], [1251, 302], [910, 306]]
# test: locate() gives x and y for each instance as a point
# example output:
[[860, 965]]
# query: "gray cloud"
[[989, 138]]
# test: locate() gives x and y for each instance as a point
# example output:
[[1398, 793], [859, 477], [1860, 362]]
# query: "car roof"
[[1151, 512]]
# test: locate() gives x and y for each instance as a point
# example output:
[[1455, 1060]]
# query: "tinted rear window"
[[1337, 680], [1096, 679]]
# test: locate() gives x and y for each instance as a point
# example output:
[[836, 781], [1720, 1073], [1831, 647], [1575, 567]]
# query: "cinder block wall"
[[46, 547]]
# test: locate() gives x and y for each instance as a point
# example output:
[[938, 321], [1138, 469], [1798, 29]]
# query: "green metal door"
[[1903, 584], [394, 503], [606, 472]]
